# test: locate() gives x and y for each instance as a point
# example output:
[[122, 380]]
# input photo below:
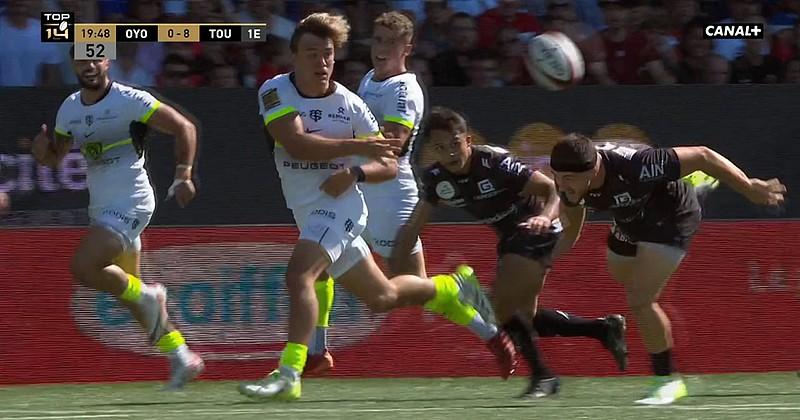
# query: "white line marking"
[[60, 417]]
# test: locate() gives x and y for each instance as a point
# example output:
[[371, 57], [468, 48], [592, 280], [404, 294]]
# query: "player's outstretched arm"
[[758, 191], [168, 120], [289, 131], [541, 186], [408, 234], [572, 218], [50, 152]]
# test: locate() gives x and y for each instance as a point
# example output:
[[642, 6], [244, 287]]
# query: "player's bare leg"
[[185, 365], [644, 277], [519, 282]]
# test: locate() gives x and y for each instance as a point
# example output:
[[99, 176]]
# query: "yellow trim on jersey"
[[279, 113], [399, 120], [150, 112], [61, 132], [377, 134]]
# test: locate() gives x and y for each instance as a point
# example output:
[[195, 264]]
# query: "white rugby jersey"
[[339, 115], [102, 131], [398, 99]]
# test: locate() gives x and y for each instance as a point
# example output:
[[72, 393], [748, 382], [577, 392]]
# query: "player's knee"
[[641, 306], [298, 281], [82, 268]]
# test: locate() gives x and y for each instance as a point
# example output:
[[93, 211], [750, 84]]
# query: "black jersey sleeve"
[[651, 165], [428, 190], [510, 172]]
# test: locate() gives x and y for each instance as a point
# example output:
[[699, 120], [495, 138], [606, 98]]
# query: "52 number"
[[95, 51]]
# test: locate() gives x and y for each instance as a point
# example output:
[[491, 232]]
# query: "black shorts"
[[623, 239], [523, 242]]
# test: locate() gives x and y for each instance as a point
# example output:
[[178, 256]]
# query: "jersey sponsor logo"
[[340, 110], [485, 186], [87, 135], [445, 190], [107, 115], [651, 171], [315, 114], [348, 225], [312, 165], [270, 99], [308, 130], [402, 94], [499, 216], [125, 219], [78, 121], [485, 163], [325, 213], [622, 200], [510, 165], [385, 242], [340, 117], [89, 120], [92, 150], [435, 171]]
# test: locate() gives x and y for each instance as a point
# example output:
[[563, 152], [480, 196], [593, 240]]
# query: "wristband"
[[360, 175], [183, 166]]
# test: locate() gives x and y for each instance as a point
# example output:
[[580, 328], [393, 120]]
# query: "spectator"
[[506, 14], [206, 11], [277, 59], [514, 73], [125, 69], [791, 72], [450, 67], [224, 76], [741, 11], [681, 12], [24, 59], [145, 11], [694, 52], [432, 38], [754, 66], [660, 38], [629, 57], [788, 15], [562, 16], [421, 68], [176, 72], [717, 70], [352, 73], [484, 68]]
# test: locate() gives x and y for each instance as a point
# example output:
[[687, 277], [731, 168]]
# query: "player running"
[[655, 216], [108, 121], [396, 98], [522, 206], [313, 121]]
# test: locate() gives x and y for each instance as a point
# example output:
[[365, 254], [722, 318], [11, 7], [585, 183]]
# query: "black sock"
[[662, 363], [525, 339], [550, 323]]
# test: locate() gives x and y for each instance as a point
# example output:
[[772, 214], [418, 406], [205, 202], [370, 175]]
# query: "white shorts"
[[127, 219], [336, 224], [387, 215]]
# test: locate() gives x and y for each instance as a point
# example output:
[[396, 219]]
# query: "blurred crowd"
[[459, 42]]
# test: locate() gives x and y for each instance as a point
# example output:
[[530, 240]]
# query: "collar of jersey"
[[291, 79]]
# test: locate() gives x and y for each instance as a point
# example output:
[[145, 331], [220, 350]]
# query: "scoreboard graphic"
[[95, 41]]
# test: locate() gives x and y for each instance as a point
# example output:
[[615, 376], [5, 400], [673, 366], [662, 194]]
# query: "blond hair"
[[397, 22], [322, 25]]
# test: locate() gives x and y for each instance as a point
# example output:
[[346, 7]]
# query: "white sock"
[[181, 354], [481, 328], [319, 341]]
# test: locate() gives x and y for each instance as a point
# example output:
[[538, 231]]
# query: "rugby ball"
[[554, 61]]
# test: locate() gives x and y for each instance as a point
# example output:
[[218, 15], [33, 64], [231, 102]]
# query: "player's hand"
[[339, 182], [537, 224], [768, 193], [376, 148], [41, 145], [183, 190]]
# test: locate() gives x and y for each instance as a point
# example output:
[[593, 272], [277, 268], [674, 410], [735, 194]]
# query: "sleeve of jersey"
[[428, 190], [403, 106], [364, 122], [652, 165], [271, 104], [512, 172], [146, 105], [61, 122]]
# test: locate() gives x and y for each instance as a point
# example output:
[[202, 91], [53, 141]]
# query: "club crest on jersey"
[[270, 99], [315, 114], [92, 150], [445, 190], [89, 120]]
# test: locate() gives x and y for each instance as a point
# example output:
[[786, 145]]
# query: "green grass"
[[745, 396]]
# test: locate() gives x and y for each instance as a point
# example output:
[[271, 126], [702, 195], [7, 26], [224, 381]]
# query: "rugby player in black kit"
[[655, 215], [522, 206]]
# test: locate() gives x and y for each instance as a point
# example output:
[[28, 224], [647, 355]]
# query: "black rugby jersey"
[[643, 191], [490, 191]]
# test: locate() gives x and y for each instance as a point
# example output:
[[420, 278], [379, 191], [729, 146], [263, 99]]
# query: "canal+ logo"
[[734, 31], [229, 296]]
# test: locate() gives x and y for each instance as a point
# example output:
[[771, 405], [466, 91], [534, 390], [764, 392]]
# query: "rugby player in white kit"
[[397, 99], [313, 121], [107, 121]]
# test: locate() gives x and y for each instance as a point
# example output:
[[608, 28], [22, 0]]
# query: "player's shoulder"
[[127, 91], [494, 153], [366, 79], [353, 101], [73, 100], [406, 82], [280, 82], [620, 149]]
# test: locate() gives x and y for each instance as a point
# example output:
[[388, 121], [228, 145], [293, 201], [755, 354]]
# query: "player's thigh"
[[650, 271], [519, 281], [362, 276], [308, 261], [99, 248], [413, 264]]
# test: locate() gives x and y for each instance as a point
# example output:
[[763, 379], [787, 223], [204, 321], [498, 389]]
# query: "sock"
[[526, 340], [550, 323], [662, 363], [481, 328], [293, 359], [324, 291], [174, 345], [446, 301], [133, 291]]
